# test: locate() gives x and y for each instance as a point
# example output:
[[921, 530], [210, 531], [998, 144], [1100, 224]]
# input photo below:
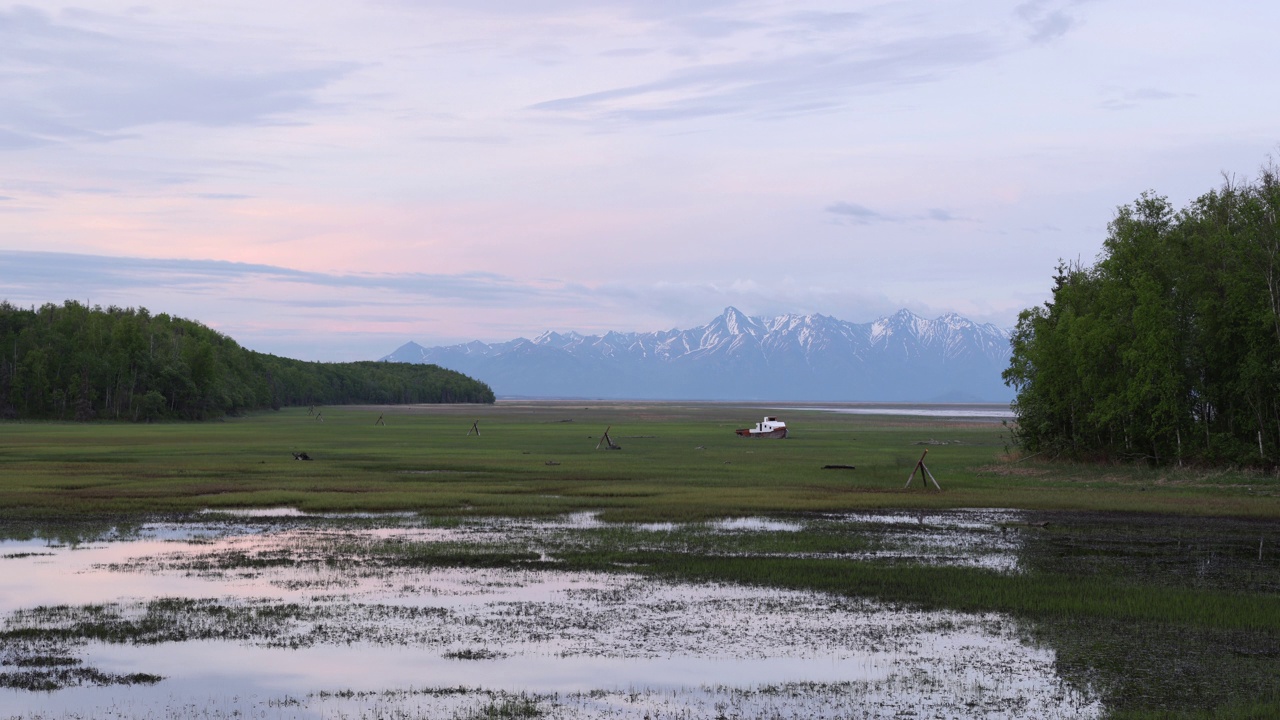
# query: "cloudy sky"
[[327, 179]]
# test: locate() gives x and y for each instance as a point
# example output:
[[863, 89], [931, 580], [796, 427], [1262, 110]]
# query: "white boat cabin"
[[769, 424]]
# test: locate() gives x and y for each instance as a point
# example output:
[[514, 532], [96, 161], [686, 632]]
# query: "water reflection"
[[349, 637]]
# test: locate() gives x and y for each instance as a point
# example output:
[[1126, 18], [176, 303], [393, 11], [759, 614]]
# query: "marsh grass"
[[473, 654], [1233, 711], [57, 678], [1167, 670], [520, 706], [1129, 629], [1135, 622], [679, 462]]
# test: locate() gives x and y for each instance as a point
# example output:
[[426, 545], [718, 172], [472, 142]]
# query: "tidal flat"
[[290, 616], [273, 613], [414, 570]]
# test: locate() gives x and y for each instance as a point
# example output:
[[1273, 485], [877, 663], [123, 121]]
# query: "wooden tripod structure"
[[607, 441], [380, 421], [924, 473], [475, 428]]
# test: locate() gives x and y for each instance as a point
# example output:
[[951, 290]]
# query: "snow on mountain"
[[901, 357]]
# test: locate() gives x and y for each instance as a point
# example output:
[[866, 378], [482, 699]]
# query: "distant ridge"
[[901, 357]]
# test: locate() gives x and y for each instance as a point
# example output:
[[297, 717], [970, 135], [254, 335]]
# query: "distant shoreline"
[[966, 410], [993, 411]]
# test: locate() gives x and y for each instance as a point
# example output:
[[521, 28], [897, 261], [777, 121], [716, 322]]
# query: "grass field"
[[677, 462]]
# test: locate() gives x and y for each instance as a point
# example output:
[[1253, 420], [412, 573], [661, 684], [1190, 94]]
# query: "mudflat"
[[417, 568]]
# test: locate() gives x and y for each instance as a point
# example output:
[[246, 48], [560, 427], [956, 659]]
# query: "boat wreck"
[[770, 427]]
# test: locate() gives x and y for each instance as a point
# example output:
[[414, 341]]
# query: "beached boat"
[[770, 427]]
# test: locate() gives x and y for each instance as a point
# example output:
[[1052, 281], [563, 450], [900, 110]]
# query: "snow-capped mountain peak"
[[736, 356]]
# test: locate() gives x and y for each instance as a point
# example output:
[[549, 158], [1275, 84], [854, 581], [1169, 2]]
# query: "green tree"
[[73, 361], [1168, 347]]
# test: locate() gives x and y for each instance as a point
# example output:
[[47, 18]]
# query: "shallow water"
[[971, 411], [316, 636]]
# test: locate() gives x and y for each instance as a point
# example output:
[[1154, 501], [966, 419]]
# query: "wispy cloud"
[[863, 215], [860, 213], [13, 140], [1121, 99], [61, 82], [1045, 19], [75, 273], [802, 81], [827, 21]]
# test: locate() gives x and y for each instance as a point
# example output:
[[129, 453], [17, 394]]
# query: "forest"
[[74, 362], [1167, 349]]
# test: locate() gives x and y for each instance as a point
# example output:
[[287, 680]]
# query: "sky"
[[328, 179]]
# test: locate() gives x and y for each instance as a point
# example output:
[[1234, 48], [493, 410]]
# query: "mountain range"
[[814, 358]]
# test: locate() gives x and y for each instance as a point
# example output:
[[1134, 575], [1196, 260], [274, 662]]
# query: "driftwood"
[[838, 467], [924, 473], [607, 441], [301, 456]]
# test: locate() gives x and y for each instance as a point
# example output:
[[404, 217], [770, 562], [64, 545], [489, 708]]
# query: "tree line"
[[74, 362], [1167, 348]]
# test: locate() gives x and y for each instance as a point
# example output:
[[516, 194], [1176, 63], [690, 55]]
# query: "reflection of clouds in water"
[[757, 525], [677, 647], [965, 537]]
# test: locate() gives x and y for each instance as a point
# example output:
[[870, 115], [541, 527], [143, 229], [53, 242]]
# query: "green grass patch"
[[677, 462]]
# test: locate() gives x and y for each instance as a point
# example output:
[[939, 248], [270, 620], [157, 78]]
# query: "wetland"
[[415, 571]]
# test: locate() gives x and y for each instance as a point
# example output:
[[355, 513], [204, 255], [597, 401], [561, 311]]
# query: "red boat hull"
[[751, 433]]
